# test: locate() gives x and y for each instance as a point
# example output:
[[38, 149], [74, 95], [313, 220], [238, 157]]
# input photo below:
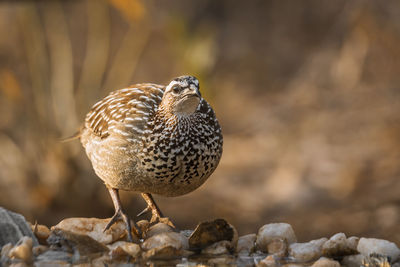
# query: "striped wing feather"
[[132, 105]]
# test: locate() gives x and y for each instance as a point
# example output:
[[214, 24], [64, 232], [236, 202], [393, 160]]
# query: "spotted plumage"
[[153, 139]]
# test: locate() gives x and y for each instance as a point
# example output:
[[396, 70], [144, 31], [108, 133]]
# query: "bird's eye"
[[176, 89]]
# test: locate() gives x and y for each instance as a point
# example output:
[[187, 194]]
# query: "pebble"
[[22, 250], [42, 232], [72, 242], [246, 244], [274, 230], [207, 233], [163, 253], [93, 228], [340, 245], [39, 250], [122, 248], [367, 246], [173, 239], [269, 261], [325, 262], [143, 225], [278, 247], [218, 248], [304, 252], [353, 260], [158, 229]]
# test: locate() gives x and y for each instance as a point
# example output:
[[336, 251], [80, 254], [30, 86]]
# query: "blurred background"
[[307, 93]]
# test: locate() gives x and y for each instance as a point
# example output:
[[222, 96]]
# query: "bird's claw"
[[119, 214]]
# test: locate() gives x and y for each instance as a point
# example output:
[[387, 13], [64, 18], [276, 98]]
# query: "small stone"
[[163, 253], [42, 232], [325, 262], [158, 229], [39, 250], [93, 228], [176, 240], [339, 245], [368, 246], [269, 261], [122, 248], [246, 244], [218, 248], [72, 242], [207, 233], [5, 250], [352, 242], [274, 230], [22, 250], [304, 252], [278, 247], [13, 227], [353, 260]]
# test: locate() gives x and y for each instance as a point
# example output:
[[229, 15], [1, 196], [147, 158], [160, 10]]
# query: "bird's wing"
[[131, 106]]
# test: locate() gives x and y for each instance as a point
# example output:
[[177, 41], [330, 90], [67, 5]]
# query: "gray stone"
[[353, 260], [13, 227], [274, 230], [368, 246], [305, 252], [325, 262], [246, 244], [176, 240]]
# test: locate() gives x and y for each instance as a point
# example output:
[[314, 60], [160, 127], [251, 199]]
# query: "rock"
[[246, 244], [42, 232], [339, 245], [5, 250], [163, 253], [13, 227], [54, 258], [93, 228], [176, 240], [269, 261], [325, 262], [368, 246], [122, 248], [22, 250], [352, 242], [75, 243], [278, 247], [353, 260], [304, 252], [39, 250], [274, 230], [207, 233], [158, 229], [218, 248]]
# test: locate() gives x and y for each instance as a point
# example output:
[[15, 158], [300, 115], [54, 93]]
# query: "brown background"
[[307, 93]]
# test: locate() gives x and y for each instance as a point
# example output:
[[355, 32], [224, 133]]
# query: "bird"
[[152, 139]]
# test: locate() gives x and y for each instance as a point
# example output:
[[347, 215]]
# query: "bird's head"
[[182, 95]]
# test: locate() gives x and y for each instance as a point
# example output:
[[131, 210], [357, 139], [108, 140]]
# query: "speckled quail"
[[152, 139]]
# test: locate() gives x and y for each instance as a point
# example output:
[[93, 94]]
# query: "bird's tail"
[[72, 137]]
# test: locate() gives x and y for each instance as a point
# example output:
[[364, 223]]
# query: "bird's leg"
[[155, 211], [120, 214]]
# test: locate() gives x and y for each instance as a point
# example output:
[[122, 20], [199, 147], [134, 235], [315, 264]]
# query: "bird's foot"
[[119, 214], [156, 216]]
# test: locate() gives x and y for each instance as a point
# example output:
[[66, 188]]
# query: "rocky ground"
[[82, 242]]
